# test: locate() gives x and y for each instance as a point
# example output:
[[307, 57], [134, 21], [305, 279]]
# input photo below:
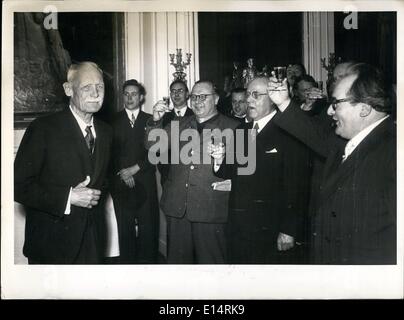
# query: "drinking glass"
[[280, 73]]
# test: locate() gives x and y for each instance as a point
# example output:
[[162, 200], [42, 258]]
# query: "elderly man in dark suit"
[[267, 207], [355, 220], [134, 190], [196, 213], [59, 175]]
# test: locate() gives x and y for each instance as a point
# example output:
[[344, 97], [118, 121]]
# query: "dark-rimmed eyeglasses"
[[254, 94], [200, 97], [334, 102]]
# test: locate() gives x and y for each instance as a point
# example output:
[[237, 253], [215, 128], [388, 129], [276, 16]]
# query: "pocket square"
[[272, 151]]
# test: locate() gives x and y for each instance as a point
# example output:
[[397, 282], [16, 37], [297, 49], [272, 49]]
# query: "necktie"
[[132, 122], [254, 131], [89, 139]]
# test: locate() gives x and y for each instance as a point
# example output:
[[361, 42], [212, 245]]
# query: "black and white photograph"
[[201, 150]]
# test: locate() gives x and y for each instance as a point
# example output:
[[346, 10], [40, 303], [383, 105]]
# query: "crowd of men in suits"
[[323, 190]]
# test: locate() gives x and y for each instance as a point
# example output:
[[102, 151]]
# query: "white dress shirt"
[[263, 121], [83, 127], [356, 140], [134, 112], [181, 111]]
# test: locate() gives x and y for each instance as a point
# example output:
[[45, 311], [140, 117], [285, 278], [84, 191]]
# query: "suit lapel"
[[73, 129], [188, 112], [266, 136], [338, 171], [100, 151]]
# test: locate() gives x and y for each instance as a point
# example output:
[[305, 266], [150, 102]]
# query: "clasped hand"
[[127, 174], [84, 197]]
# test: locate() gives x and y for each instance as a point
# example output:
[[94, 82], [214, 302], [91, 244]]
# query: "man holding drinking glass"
[[355, 221], [196, 211]]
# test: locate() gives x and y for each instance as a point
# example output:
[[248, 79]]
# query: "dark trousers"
[[138, 229], [195, 242], [89, 248]]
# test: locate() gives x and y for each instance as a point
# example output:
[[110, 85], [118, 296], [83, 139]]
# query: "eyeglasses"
[[175, 91], [238, 102], [201, 97], [254, 94], [334, 102]]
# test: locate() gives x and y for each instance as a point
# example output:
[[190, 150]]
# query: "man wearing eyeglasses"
[[267, 207], [355, 220], [179, 94], [196, 213], [134, 189]]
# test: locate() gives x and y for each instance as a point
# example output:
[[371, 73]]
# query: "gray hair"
[[74, 68]]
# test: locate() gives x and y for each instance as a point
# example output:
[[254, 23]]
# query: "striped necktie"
[[89, 138], [132, 121]]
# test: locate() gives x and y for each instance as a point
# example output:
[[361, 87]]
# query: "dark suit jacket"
[[167, 118], [52, 158], [271, 200], [140, 202], [355, 219], [189, 186], [128, 149]]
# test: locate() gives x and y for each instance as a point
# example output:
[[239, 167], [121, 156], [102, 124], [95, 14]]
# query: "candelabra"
[[179, 65], [332, 62]]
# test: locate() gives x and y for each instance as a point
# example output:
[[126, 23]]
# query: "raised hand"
[[159, 109], [278, 92], [84, 197]]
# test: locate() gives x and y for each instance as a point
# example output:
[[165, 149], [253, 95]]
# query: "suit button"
[[186, 185], [192, 167], [333, 214]]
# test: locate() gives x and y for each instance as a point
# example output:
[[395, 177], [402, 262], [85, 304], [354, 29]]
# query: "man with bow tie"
[[266, 208], [134, 190], [355, 221], [59, 175]]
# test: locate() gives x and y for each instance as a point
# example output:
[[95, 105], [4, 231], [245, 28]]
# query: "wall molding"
[[151, 37], [318, 42]]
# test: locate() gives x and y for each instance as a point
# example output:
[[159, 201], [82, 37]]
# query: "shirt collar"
[[355, 141], [263, 121], [182, 111], [134, 112], [82, 124]]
